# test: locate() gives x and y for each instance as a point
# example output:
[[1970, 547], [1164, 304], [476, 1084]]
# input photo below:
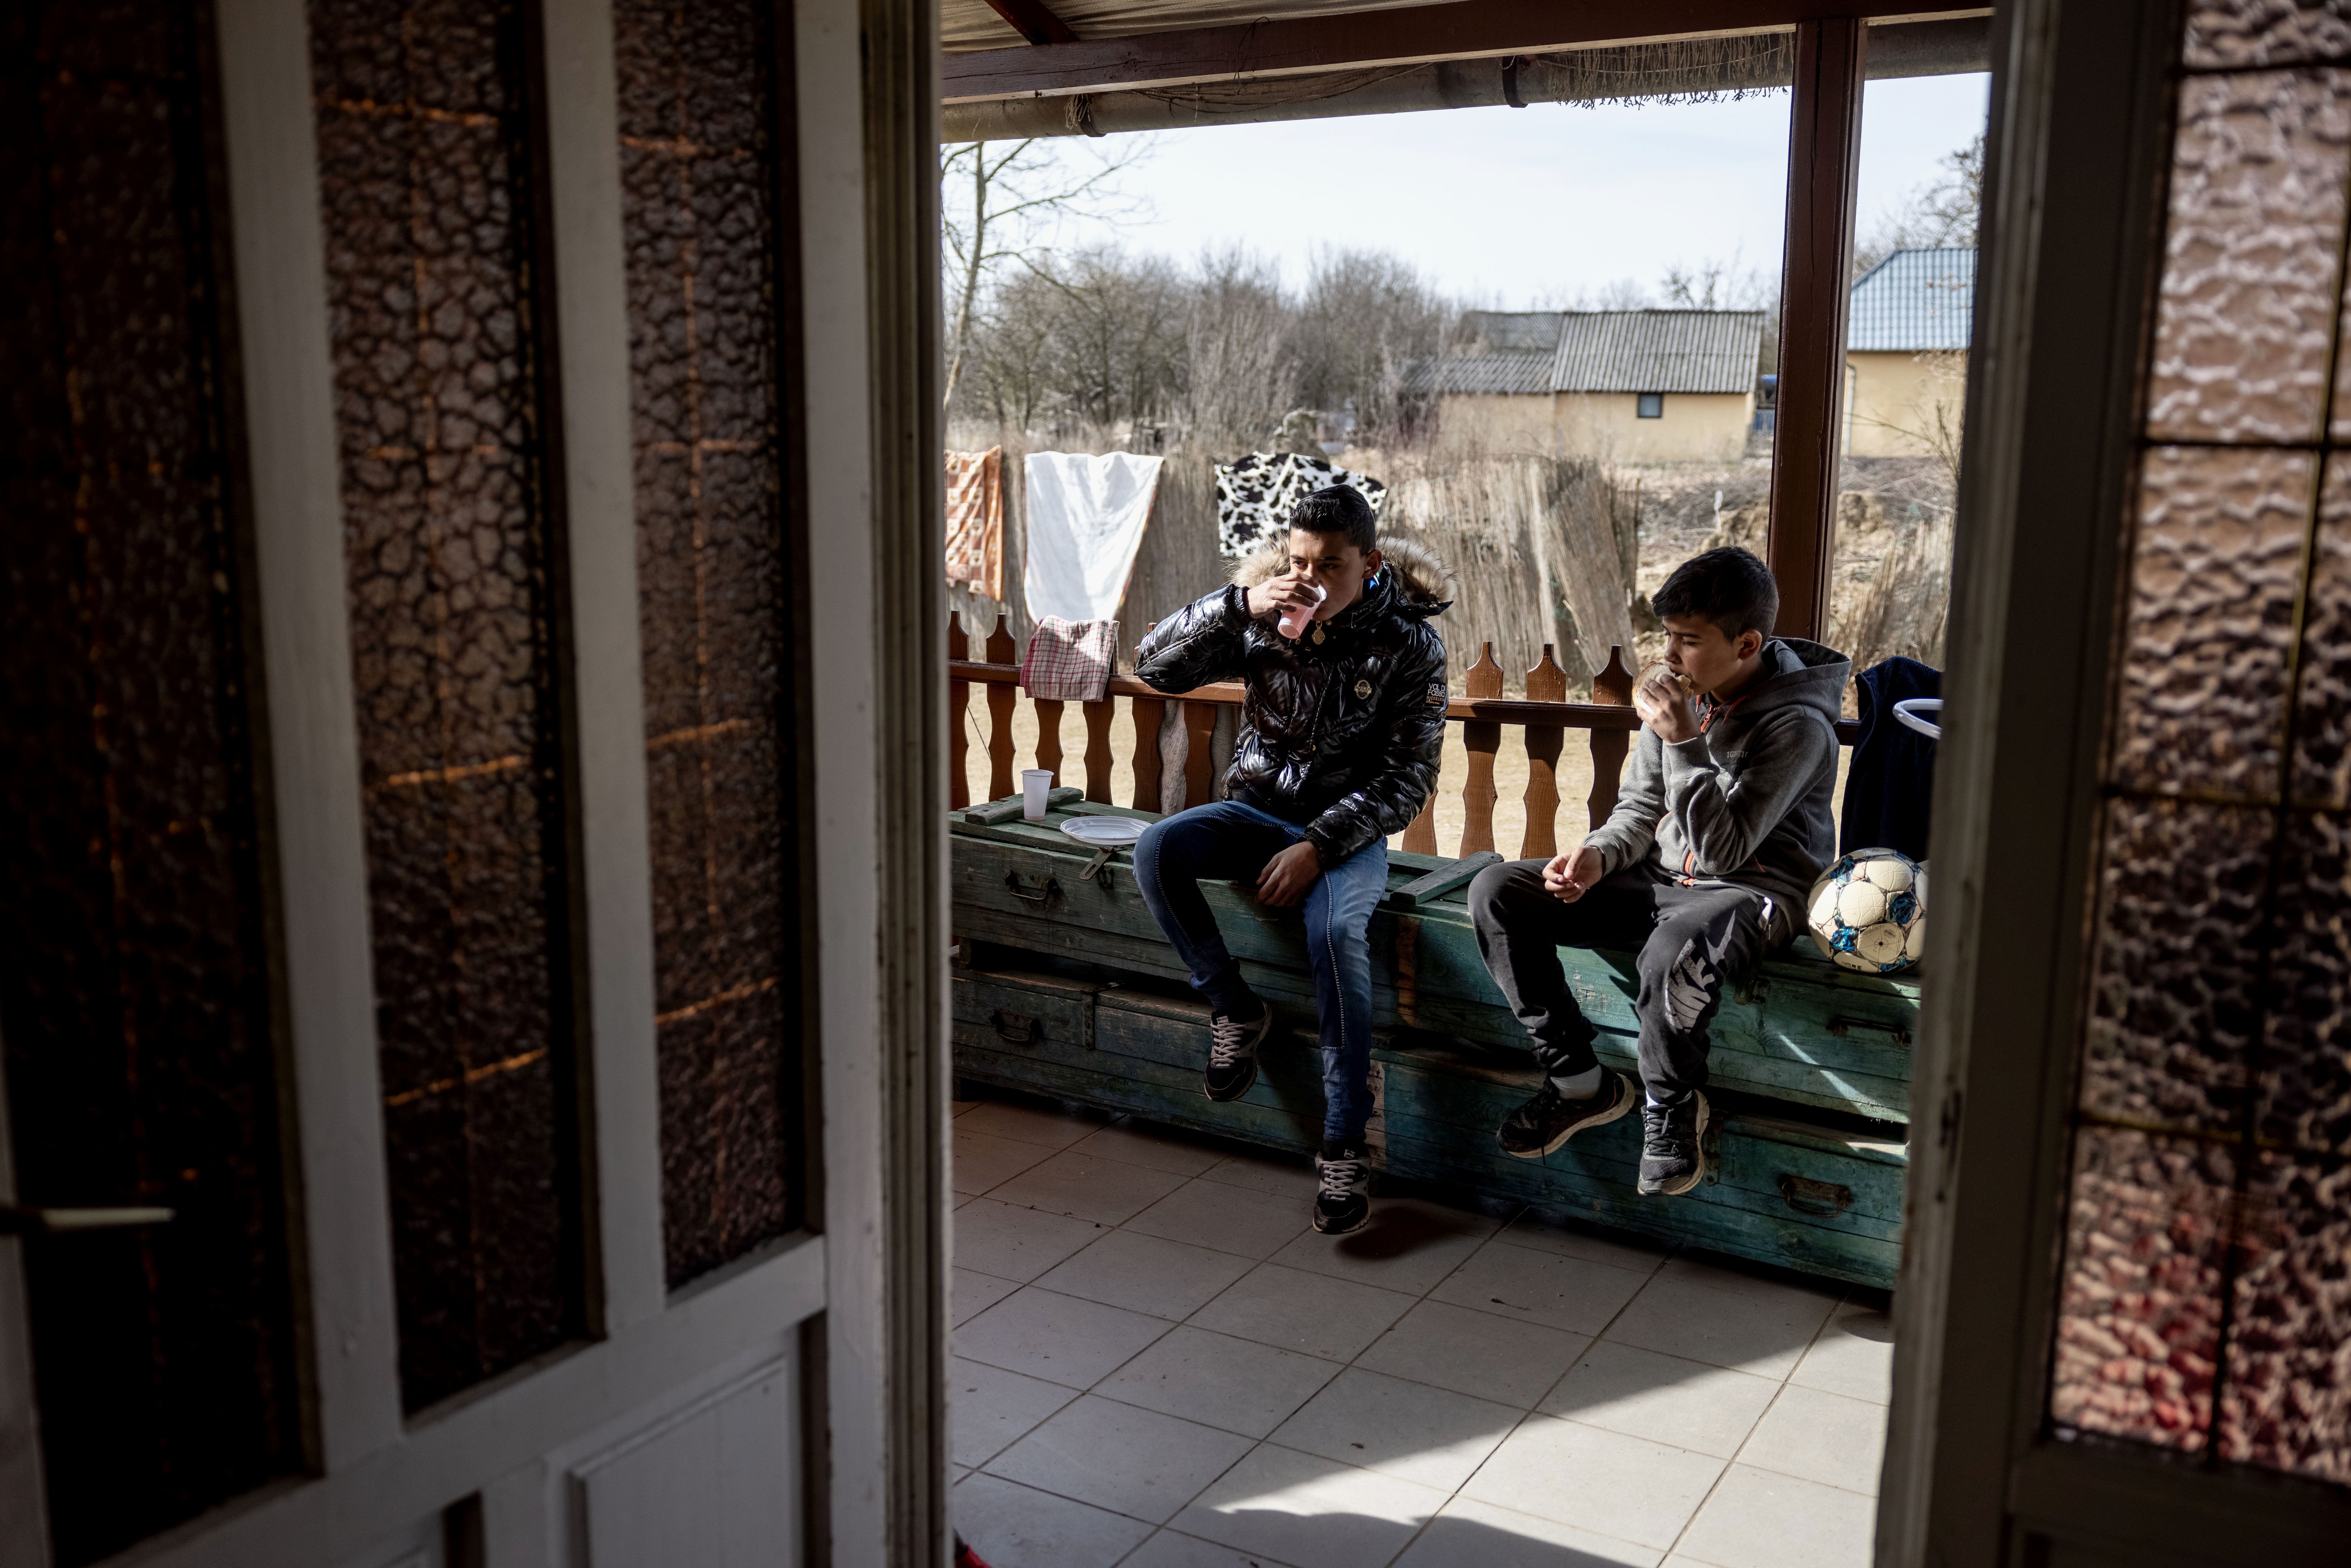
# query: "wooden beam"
[[1033, 22], [1823, 160], [1456, 30]]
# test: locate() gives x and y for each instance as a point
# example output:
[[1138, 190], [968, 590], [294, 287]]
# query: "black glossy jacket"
[[1342, 736]]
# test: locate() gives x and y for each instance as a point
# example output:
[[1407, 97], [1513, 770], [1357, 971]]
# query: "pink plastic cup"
[[1294, 617]]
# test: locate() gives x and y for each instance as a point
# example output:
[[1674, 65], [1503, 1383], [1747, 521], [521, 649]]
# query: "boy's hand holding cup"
[[1293, 596], [1666, 704]]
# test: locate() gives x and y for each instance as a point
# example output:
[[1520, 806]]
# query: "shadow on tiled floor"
[[1159, 1365]]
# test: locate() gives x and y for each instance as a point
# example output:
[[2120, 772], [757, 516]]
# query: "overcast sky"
[[1520, 208]]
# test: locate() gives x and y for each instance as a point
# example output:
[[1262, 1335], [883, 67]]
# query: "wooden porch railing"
[[1544, 718]]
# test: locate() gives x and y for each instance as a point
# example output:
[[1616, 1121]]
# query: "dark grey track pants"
[[1695, 942]]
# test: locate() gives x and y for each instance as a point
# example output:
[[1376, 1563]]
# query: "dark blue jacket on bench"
[[1889, 791]]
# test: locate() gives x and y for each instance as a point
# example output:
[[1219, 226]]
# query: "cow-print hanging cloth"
[[1256, 494]]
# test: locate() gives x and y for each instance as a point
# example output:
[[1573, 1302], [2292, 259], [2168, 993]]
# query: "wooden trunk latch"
[[1038, 896], [1822, 1199]]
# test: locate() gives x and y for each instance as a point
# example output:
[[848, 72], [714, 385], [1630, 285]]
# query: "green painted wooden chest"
[[1067, 987]]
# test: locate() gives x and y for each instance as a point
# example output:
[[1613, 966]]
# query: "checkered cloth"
[[975, 521], [1070, 661]]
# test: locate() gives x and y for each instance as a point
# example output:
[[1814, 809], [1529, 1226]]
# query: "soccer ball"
[[1869, 911]]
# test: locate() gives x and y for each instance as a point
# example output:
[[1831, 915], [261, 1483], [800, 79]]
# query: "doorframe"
[[2077, 153]]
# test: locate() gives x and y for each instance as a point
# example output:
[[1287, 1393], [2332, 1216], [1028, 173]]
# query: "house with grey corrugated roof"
[[1907, 327], [1636, 386]]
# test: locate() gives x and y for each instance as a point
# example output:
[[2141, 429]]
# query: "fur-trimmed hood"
[[1419, 584]]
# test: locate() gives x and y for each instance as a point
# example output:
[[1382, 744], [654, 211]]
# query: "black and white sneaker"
[[1232, 1053], [1345, 1199], [1550, 1118], [1673, 1147]]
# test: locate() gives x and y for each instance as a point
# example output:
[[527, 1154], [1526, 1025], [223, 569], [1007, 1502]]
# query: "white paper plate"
[[1103, 832]]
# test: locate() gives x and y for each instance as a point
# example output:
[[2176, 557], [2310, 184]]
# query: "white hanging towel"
[[1086, 516]]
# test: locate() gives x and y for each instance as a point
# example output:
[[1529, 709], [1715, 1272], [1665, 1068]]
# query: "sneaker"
[[1550, 1118], [1345, 1200], [1232, 1053], [1673, 1147]]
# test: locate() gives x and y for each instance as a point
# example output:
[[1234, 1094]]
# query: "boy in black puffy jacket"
[[1340, 736]]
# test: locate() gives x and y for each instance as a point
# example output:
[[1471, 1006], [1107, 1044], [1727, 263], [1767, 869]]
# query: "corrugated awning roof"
[[1915, 301], [974, 24], [1507, 373], [1657, 351], [1602, 351]]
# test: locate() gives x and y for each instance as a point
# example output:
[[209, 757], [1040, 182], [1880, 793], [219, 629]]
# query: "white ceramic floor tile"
[[1626, 1488], [1822, 1438], [1015, 1243], [1432, 1435], [1764, 1335], [1146, 1274], [1572, 1239], [1759, 1519], [1058, 1338], [1759, 1280], [1230, 1219], [1854, 1355], [972, 1293], [993, 1407], [1234, 1384], [1160, 1148], [1030, 1125], [1546, 1288], [1009, 1523], [1470, 1351], [1087, 1186], [1284, 1175], [1313, 1511], [1131, 1461], [1473, 1535], [1407, 1247], [1336, 1319], [1170, 1549], [983, 1160], [1685, 1403]]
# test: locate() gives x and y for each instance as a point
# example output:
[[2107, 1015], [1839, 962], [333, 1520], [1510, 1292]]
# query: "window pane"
[[2174, 998], [134, 963], [2307, 1048], [2287, 1403], [422, 169], [696, 98], [2267, 31], [2213, 579], [2247, 302], [2139, 1315]]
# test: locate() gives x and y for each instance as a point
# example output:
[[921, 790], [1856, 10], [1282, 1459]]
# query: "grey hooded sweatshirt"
[[1750, 799]]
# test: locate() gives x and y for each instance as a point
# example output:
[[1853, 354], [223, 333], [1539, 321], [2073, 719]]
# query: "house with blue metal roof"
[[1632, 386], [1907, 327]]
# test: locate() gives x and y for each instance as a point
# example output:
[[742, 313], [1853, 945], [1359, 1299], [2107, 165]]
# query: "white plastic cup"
[[1036, 783], [1294, 617]]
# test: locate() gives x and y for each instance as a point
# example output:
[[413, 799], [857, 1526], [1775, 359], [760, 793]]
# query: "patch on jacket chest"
[[1362, 690]]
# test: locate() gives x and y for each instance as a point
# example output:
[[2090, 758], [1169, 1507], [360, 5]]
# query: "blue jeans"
[[1232, 842]]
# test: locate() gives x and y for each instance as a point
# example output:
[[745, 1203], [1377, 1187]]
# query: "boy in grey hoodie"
[[1723, 822]]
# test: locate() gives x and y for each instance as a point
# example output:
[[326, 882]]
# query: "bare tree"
[[1000, 201], [1942, 213], [1241, 374]]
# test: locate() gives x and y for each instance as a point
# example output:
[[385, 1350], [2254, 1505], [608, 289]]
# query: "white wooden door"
[[578, 1084]]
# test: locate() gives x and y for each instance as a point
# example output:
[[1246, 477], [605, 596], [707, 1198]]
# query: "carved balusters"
[[1097, 758], [1481, 738], [958, 719], [1049, 735], [1546, 683], [1612, 685], [1148, 713], [1001, 696], [1199, 757]]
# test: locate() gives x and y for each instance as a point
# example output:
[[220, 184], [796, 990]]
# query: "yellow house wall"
[[1697, 427], [1894, 401]]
